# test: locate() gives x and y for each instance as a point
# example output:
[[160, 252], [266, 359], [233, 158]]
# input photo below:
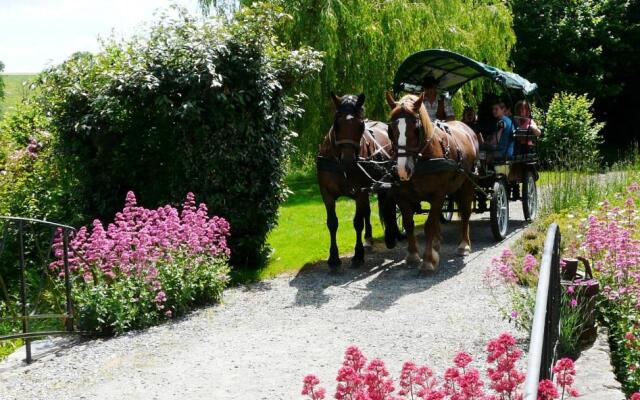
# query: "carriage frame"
[[498, 179]]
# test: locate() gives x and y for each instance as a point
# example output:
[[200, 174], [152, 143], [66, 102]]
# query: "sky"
[[35, 34]]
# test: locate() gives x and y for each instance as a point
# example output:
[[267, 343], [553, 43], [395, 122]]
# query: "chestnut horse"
[[351, 138], [433, 161]]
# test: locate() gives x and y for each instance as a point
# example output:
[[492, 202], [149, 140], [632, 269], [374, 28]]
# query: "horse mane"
[[406, 103]]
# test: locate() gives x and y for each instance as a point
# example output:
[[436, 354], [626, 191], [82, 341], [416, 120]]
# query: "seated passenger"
[[438, 105], [503, 131], [524, 121], [469, 117]]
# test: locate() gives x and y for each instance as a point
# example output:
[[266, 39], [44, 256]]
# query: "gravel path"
[[266, 337]]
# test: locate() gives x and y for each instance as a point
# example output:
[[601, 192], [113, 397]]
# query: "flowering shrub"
[[359, 380], [520, 283], [610, 238], [612, 241], [146, 266]]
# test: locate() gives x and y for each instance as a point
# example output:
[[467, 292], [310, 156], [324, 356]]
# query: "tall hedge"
[[364, 41], [192, 105]]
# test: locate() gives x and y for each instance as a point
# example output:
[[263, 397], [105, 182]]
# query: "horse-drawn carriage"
[[498, 177], [413, 158]]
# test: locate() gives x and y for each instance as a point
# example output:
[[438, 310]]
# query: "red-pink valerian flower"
[[635, 396], [564, 372], [462, 359], [309, 388], [140, 238], [505, 377], [376, 378], [530, 263], [547, 390]]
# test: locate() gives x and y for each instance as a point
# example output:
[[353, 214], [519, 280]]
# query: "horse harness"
[[444, 140]]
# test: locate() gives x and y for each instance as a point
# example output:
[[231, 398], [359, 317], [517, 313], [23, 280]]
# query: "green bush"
[[571, 135], [125, 303], [190, 106], [1, 81]]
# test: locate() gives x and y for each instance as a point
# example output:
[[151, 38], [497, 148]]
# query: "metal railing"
[[28, 311], [546, 318]]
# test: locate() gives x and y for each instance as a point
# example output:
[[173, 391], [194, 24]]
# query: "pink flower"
[[462, 359], [309, 388], [573, 303], [530, 263], [635, 396], [547, 390]]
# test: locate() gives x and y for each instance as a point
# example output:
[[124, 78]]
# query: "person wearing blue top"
[[503, 133]]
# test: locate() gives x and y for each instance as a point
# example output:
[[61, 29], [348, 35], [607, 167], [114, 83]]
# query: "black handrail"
[[546, 319], [25, 314]]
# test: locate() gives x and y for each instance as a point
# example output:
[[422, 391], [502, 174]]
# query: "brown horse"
[[352, 138], [433, 161]]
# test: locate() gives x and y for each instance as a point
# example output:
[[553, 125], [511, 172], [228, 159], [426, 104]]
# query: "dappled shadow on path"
[[385, 277]]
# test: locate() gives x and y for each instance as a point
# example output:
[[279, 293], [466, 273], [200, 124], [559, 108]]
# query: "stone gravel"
[[265, 337]]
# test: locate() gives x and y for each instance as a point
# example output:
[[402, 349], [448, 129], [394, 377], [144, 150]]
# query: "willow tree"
[[364, 41]]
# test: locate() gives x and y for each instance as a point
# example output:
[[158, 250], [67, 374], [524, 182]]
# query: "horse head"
[[348, 127], [410, 132]]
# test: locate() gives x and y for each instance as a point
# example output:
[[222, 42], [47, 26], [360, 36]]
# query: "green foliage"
[[571, 135], [583, 47], [364, 41], [126, 303], [16, 88], [190, 106], [1, 81]]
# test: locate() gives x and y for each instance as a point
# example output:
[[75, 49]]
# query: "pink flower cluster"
[[611, 242], [358, 380], [501, 270], [139, 238]]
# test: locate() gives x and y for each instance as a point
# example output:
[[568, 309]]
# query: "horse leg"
[[362, 202], [433, 238], [368, 231], [407, 210], [465, 202], [332, 223]]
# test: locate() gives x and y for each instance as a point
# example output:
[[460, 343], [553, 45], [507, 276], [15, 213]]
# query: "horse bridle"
[[346, 110], [422, 143]]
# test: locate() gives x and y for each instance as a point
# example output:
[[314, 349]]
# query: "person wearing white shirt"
[[438, 106]]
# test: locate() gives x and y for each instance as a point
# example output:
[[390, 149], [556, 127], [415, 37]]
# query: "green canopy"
[[452, 70]]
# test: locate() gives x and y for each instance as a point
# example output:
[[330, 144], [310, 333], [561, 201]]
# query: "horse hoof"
[[356, 262], [412, 258], [427, 267], [463, 250]]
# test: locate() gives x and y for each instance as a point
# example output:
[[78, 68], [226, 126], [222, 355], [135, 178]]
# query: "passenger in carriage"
[[470, 118], [524, 121], [502, 136], [438, 105]]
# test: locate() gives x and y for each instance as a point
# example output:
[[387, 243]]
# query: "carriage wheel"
[[529, 196], [447, 210], [499, 210]]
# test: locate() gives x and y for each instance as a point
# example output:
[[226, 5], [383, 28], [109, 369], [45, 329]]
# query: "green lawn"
[[13, 90], [302, 237]]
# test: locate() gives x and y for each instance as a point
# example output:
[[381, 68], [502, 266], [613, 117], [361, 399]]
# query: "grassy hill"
[[13, 90]]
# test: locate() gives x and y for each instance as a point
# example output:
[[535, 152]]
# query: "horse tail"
[[387, 215]]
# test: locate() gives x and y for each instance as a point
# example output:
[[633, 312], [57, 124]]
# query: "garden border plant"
[[608, 234]]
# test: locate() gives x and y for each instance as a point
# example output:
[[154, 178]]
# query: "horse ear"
[[418, 103], [390, 100], [336, 99], [360, 101]]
